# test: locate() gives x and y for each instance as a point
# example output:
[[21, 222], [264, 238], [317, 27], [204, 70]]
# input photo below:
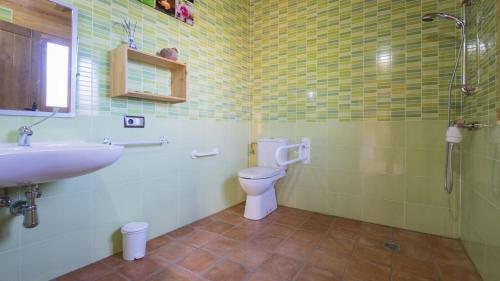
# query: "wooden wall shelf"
[[119, 62]]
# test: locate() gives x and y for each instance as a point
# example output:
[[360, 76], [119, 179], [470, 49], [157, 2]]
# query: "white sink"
[[44, 162]]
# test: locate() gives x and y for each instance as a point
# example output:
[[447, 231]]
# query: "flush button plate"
[[133, 121]]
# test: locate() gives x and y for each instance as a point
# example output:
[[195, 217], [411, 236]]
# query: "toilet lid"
[[258, 173]]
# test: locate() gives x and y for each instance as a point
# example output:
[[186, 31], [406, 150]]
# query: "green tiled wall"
[[480, 229], [385, 172], [216, 50], [80, 217], [373, 63], [363, 60]]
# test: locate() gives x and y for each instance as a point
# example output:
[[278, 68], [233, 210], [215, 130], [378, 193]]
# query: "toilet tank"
[[267, 150]]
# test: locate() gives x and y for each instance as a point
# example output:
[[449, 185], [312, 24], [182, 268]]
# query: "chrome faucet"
[[24, 136], [25, 132]]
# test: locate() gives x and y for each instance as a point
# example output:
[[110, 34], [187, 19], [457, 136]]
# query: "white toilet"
[[258, 182]]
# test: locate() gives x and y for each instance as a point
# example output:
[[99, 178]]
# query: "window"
[[57, 75]]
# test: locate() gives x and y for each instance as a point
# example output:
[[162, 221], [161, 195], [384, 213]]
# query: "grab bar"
[[304, 152], [161, 141], [195, 154]]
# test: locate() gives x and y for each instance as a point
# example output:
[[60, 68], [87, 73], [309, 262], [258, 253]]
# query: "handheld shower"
[[453, 135], [431, 16]]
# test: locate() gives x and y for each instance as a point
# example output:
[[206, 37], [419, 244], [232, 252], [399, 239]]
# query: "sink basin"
[[44, 162]]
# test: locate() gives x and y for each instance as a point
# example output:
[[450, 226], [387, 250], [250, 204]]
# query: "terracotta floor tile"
[[311, 273], [348, 224], [415, 250], [89, 272], [198, 238], [157, 242], [342, 246], [201, 223], [181, 232], [266, 242], [174, 252], [263, 276], [238, 209], [253, 225], [282, 210], [226, 271], [295, 249], [282, 266], [289, 244], [308, 236], [376, 242], [330, 261], [271, 218], [320, 218], [344, 234], [450, 257], [230, 218], [396, 277], [140, 270], [174, 273], [218, 227], [249, 257], [240, 233], [315, 227], [292, 221], [373, 255], [361, 270], [198, 261], [112, 276], [442, 243], [277, 230], [413, 237], [376, 230], [450, 272], [298, 212], [115, 260], [404, 266], [221, 246]]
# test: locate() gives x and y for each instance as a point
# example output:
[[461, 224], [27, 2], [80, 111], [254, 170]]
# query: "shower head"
[[430, 17]]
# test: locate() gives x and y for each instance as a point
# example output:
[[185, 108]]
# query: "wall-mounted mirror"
[[38, 49]]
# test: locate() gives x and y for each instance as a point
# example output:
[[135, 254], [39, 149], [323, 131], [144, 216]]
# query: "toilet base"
[[259, 206]]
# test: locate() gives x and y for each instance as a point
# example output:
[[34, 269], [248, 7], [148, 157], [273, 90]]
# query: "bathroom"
[[367, 83]]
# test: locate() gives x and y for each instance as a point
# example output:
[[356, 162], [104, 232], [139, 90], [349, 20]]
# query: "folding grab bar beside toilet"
[[304, 152]]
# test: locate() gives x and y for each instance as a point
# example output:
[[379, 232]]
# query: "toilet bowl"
[[259, 182]]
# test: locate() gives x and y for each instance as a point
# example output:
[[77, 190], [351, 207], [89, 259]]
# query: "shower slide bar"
[[161, 141], [195, 154], [304, 152]]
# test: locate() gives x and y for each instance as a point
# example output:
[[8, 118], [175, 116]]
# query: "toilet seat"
[[257, 173]]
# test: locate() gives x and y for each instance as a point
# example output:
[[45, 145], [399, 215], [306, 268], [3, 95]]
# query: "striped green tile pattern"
[[361, 60], [480, 184], [484, 102], [216, 49]]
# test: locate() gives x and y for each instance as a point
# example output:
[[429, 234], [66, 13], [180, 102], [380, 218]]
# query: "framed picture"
[[166, 6], [150, 3], [182, 10]]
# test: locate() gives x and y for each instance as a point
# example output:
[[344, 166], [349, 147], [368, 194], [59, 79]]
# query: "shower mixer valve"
[[471, 126]]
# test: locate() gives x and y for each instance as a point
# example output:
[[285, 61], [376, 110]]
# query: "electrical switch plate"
[[134, 121]]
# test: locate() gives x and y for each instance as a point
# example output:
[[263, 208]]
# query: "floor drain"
[[392, 246]]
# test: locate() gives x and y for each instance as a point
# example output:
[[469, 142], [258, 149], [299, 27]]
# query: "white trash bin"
[[135, 235]]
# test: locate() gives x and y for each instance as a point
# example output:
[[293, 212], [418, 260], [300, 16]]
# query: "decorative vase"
[[131, 43]]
